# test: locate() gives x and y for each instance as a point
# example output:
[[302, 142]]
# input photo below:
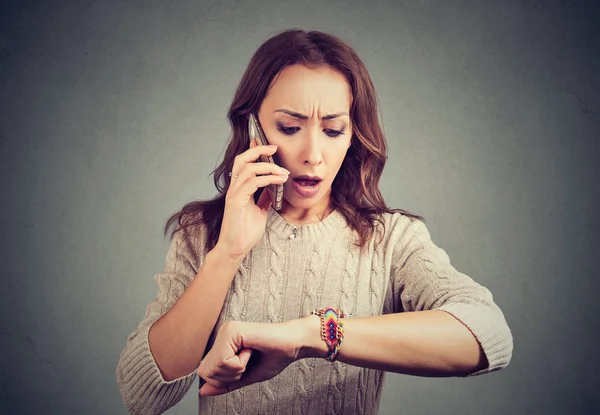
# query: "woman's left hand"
[[246, 353]]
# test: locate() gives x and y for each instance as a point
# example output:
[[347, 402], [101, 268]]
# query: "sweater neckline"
[[328, 226]]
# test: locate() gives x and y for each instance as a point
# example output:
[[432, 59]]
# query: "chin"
[[300, 202], [303, 204]]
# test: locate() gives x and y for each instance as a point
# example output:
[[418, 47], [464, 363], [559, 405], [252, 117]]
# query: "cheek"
[[282, 157], [284, 152], [339, 153], [272, 135]]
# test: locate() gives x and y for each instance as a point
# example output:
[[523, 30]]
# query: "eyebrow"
[[305, 117]]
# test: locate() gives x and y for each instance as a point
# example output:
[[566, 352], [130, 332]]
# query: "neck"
[[299, 216]]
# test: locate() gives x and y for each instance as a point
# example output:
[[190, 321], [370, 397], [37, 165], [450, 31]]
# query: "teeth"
[[305, 182]]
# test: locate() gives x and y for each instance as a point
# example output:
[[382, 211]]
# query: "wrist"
[[222, 255], [310, 343]]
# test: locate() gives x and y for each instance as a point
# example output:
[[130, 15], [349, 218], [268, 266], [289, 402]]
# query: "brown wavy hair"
[[355, 189]]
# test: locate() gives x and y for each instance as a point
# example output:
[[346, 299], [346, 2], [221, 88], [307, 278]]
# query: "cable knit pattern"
[[375, 284], [271, 314], [349, 285], [239, 289], [312, 284], [237, 306], [283, 279], [274, 287], [336, 390], [361, 395], [237, 402], [310, 293]]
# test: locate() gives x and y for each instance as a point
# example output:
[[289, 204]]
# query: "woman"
[[241, 279]]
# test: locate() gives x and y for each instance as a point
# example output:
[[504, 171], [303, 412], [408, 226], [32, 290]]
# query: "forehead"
[[303, 89]]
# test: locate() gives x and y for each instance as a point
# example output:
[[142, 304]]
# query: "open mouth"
[[306, 182], [307, 186]]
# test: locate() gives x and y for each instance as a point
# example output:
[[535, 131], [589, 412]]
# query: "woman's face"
[[306, 114]]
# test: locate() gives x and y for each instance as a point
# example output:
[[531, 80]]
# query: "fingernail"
[[286, 171], [272, 146]]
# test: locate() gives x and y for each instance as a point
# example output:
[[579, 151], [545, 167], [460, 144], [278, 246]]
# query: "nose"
[[312, 151]]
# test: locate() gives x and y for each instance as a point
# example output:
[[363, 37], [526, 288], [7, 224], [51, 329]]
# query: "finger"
[[228, 369], [215, 382], [232, 367], [253, 144], [224, 379], [209, 390], [216, 374], [244, 356], [255, 169], [260, 168], [251, 155], [220, 383], [251, 186]]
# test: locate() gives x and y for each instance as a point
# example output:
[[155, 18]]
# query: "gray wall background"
[[112, 116]]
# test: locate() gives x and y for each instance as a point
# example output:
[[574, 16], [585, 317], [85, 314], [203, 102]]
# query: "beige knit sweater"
[[283, 279]]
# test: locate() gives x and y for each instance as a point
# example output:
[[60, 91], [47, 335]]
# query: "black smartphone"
[[255, 132]]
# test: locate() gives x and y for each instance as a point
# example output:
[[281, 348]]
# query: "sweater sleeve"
[[425, 279], [142, 386]]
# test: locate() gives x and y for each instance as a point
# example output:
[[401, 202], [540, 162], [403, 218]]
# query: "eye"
[[287, 130], [293, 130], [334, 133]]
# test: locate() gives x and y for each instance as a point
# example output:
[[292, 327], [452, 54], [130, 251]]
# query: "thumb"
[[244, 356], [210, 390]]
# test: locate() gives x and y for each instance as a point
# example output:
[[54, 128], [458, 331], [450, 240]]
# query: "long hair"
[[355, 189]]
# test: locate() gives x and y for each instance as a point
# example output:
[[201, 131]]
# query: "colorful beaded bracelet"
[[332, 329]]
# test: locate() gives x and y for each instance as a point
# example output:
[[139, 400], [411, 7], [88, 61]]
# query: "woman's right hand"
[[243, 220]]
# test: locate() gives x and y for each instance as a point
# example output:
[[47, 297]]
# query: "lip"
[[306, 191], [305, 177]]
